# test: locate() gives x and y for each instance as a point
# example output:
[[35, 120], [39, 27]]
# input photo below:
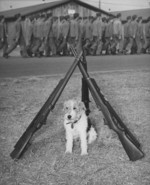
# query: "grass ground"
[[45, 162]]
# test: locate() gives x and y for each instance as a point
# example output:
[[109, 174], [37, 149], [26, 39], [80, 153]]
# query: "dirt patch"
[[45, 162]]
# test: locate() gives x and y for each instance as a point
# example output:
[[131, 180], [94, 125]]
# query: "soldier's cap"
[[98, 14], [148, 19], [140, 18], [61, 17], [1, 17], [134, 17], [91, 17], [49, 14], [128, 17], [103, 18], [110, 18], [118, 15], [17, 15], [67, 16], [75, 15], [55, 17]]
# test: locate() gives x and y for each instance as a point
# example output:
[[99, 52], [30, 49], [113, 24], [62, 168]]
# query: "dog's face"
[[73, 109]]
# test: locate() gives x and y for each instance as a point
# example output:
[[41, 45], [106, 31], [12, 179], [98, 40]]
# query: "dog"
[[76, 125]]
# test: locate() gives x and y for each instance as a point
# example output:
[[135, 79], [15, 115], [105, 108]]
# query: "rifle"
[[115, 115], [40, 118], [129, 143]]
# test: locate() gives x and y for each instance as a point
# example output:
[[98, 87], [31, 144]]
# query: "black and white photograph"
[[74, 92]]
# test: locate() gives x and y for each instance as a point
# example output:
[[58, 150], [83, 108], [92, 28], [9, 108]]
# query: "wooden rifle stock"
[[113, 113], [41, 116]]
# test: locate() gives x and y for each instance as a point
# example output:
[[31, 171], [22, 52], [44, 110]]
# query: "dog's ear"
[[81, 106]]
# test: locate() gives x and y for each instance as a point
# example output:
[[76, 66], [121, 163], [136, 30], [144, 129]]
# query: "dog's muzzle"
[[72, 122]]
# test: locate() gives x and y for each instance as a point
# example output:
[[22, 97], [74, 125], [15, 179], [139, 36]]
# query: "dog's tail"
[[92, 135]]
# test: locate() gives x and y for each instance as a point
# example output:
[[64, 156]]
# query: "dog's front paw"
[[84, 153], [68, 152]]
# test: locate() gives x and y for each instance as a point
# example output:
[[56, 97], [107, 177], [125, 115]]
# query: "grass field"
[[45, 162]]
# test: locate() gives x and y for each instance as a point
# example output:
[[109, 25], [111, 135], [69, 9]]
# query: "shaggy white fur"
[[76, 126]]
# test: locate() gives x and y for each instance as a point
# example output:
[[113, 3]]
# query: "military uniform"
[[132, 35], [3, 35], [55, 32], [147, 35], [37, 36], [108, 35], [16, 36], [88, 37], [48, 35], [140, 36], [117, 34], [74, 30], [64, 31]]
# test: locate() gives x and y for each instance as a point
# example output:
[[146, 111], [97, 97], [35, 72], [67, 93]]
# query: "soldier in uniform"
[[74, 30], [109, 35], [15, 40], [97, 35], [64, 31], [88, 34], [48, 38], [55, 32], [126, 33], [36, 35], [3, 35], [147, 36], [132, 34], [28, 26], [140, 36], [117, 34]]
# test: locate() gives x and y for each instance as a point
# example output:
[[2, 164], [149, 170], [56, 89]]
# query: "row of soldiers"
[[47, 35]]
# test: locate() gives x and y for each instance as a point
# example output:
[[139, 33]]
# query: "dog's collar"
[[72, 123]]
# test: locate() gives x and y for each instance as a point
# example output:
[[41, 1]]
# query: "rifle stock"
[[41, 116], [113, 113], [36, 123]]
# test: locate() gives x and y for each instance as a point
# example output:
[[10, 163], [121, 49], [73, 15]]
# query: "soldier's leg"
[[139, 45], [52, 46], [35, 49], [47, 47], [129, 45], [12, 46], [5, 46], [99, 48], [23, 49]]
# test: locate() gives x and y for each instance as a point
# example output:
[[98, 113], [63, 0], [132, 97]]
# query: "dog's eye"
[[66, 108], [74, 108]]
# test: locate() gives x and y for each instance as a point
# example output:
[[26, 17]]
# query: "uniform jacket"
[[74, 29], [109, 29], [27, 30], [88, 30], [140, 31], [55, 29], [133, 29], [65, 28], [147, 30], [17, 31], [47, 27], [126, 29], [117, 27]]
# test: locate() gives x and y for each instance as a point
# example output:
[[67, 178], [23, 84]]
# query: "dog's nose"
[[69, 116]]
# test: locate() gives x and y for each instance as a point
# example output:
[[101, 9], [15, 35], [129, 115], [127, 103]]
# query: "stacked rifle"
[[127, 139]]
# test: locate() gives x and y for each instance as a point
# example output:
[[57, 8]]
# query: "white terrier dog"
[[77, 126]]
